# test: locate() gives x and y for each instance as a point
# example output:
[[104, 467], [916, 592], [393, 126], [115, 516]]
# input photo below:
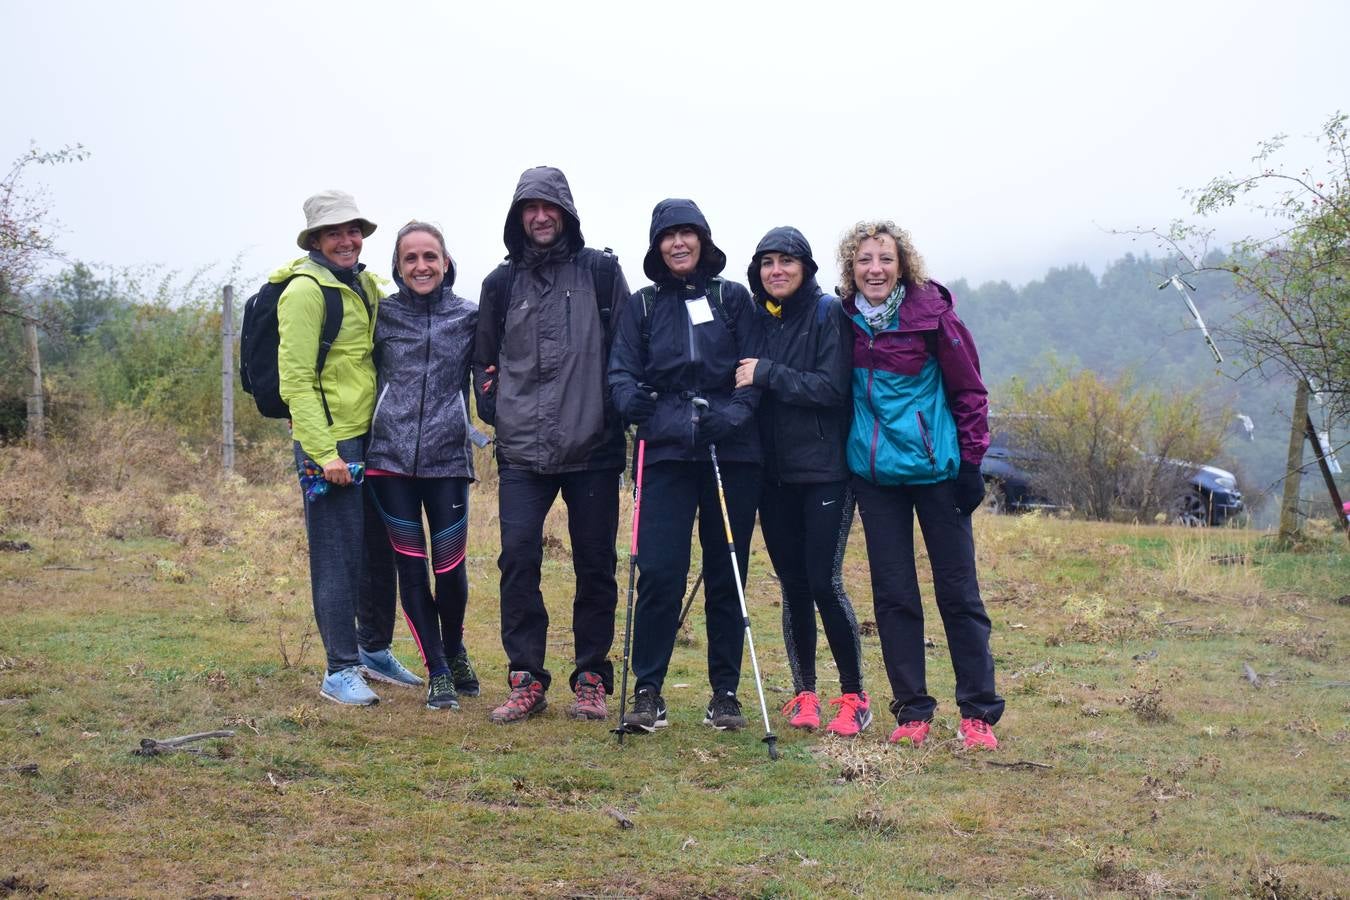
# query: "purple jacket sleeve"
[[966, 394]]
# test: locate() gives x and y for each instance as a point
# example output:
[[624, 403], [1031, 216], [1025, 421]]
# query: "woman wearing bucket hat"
[[920, 429], [350, 571], [420, 458], [806, 510], [679, 341]]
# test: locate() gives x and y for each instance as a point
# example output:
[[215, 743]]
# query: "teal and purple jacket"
[[920, 407]]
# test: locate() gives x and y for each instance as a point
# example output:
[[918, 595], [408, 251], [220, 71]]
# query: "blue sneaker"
[[384, 666], [347, 686]]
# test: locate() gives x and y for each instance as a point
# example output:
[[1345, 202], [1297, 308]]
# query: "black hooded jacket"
[[684, 359], [549, 399], [421, 422], [804, 370]]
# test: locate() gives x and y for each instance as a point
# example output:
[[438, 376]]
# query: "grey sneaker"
[[384, 666], [346, 686], [724, 712]]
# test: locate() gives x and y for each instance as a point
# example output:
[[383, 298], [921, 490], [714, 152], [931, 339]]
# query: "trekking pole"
[[684, 614], [769, 737], [621, 729]]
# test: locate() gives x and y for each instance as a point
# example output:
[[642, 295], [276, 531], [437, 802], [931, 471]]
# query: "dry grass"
[[1136, 758]]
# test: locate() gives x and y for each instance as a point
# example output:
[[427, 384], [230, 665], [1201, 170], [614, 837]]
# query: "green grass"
[[1160, 769]]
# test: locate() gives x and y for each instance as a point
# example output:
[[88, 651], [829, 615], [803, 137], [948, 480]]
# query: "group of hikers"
[[778, 399]]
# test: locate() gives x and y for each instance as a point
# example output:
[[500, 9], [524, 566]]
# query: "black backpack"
[[648, 294], [258, 341]]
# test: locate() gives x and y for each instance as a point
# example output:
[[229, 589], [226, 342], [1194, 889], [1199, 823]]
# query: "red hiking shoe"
[[590, 702], [526, 699], [975, 734], [855, 714], [803, 711], [912, 733]]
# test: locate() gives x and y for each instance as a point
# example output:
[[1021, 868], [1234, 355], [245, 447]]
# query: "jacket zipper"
[[927, 441], [567, 321], [876, 418], [422, 407]]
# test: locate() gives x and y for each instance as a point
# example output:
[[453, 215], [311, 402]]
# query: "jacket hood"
[[784, 239], [541, 183], [921, 308], [446, 284], [668, 214]]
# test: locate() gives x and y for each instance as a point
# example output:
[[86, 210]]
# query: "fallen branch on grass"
[[1178, 622], [1020, 764], [152, 747], [29, 769], [67, 568]]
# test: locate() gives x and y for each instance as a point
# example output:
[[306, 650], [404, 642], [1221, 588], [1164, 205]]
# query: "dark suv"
[[1211, 496]]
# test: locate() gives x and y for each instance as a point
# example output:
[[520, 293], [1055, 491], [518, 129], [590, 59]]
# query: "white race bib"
[[699, 310]]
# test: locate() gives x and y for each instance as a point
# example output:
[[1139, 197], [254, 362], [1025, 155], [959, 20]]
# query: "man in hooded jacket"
[[540, 357]]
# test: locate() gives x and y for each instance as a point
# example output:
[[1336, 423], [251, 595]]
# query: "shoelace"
[[979, 726], [852, 701], [797, 703], [590, 693]]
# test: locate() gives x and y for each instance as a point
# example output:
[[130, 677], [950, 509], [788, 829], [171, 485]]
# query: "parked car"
[[1211, 496]]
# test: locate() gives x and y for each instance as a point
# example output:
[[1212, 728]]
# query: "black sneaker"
[[648, 713], [724, 712], [466, 679], [441, 692]]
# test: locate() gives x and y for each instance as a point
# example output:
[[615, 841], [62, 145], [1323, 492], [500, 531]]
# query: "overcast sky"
[[1008, 137]]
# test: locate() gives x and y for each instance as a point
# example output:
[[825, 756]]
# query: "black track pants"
[[888, 526], [672, 492], [805, 529]]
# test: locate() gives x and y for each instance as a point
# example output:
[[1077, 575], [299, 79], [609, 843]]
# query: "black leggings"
[[805, 529], [436, 622]]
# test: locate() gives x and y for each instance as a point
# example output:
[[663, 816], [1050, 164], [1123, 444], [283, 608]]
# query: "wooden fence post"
[[37, 420], [227, 379]]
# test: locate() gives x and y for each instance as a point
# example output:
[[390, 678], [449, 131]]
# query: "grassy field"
[[1178, 724]]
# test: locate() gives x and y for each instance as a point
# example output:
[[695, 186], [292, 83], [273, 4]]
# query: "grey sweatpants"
[[351, 568]]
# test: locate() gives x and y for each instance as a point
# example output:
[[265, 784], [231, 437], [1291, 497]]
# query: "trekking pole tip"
[[772, 740]]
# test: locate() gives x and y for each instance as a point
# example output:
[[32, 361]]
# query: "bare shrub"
[[1106, 448]]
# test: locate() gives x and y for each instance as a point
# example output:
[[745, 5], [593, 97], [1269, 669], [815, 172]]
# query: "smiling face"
[[876, 268], [542, 221], [340, 244], [782, 274], [421, 264], [679, 249]]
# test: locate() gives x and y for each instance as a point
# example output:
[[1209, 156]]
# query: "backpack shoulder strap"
[[646, 296], [604, 272], [497, 287], [715, 295]]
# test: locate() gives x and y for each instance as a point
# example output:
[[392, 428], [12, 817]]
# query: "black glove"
[[968, 489], [640, 407], [713, 426]]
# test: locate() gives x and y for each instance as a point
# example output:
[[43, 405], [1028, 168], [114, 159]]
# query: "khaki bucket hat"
[[331, 208]]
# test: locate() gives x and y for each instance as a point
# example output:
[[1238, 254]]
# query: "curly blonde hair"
[[913, 272]]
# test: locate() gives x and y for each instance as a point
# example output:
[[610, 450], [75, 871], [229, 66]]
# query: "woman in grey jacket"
[[421, 456]]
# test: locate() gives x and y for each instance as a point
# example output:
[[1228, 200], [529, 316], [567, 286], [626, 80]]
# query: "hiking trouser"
[[888, 527], [351, 570], [672, 492], [436, 620], [805, 529], [592, 499]]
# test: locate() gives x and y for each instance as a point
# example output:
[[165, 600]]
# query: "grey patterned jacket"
[[422, 348]]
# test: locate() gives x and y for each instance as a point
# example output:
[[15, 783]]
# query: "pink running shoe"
[[855, 714], [803, 711], [976, 734], [912, 733]]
